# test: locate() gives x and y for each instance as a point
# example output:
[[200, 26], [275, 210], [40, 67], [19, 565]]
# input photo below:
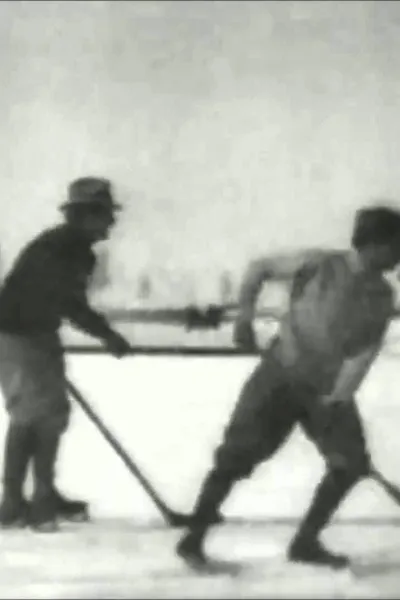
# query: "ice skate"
[[312, 552], [192, 553], [13, 513], [43, 514], [75, 511], [190, 550]]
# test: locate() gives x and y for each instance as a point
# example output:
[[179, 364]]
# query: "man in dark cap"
[[340, 308], [47, 284]]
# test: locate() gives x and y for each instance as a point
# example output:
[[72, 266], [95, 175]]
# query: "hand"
[[117, 345], [244, 336]]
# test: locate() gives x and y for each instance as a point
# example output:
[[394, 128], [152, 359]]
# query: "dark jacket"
[[48, 283]]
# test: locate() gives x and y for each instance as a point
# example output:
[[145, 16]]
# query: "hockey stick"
[[392, 490], [174, 518]]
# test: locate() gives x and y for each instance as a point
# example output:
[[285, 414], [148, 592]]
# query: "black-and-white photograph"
[[199, 299]]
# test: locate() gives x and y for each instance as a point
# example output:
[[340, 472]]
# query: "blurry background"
[[230, 129]]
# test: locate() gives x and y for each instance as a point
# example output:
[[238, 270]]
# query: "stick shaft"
[[115, 444], [391, 489]]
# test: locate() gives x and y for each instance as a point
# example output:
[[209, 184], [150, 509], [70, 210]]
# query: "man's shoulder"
[[332, 268], [325, 260], [53, 236], [43, 243], [313, 256], [58, 241], [284, 266], [324, 256], [324, 267], [317, 260]]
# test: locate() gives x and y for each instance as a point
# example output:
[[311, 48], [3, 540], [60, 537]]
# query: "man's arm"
[[269, 268], [259, 271], [82, 315]]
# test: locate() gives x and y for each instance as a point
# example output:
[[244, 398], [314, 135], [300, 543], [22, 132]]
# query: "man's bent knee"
[[234, 465], [352, 468], [56, 422]]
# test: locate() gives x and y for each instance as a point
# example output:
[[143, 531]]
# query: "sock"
[[17, 454], [328, 496], [47, 441]]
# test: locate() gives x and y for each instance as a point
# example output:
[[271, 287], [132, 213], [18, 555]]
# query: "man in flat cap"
[[47, 284], [340, 307]]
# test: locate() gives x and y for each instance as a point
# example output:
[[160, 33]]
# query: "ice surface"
[[169, 414], [120, 559]]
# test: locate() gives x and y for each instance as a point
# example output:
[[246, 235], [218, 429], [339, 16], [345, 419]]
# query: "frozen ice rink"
[[169, 413], [120, 559]]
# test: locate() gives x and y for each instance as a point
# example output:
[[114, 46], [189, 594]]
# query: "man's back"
[[56, 264]]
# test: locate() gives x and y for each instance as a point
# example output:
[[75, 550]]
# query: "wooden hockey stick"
[[176, 519], [391, 489]]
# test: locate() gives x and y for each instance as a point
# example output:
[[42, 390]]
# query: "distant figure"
[[48, 283], [340, 308]]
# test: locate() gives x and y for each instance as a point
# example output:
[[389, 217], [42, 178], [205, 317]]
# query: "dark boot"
[[75, 511], [305, 547], [43, 511], [18, 451], [190, 549], [13, 513], [311, 551], [215, 489]]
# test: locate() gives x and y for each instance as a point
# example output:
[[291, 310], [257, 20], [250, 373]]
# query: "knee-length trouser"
[[32, 383], [269, 407]]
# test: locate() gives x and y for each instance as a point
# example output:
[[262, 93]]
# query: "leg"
[[32, 379], [76, 511], [43, 513], [18, 451], [344, 449], [47, 372], [263, 418], [48, 503], [17, 386]]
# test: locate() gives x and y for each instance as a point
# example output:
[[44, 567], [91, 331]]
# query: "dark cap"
[[376, 225]]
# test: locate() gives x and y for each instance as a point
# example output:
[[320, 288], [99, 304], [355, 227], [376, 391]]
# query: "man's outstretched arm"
[[269, 268]]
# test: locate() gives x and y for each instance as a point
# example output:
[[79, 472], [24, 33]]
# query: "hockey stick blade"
[[174, 518]]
